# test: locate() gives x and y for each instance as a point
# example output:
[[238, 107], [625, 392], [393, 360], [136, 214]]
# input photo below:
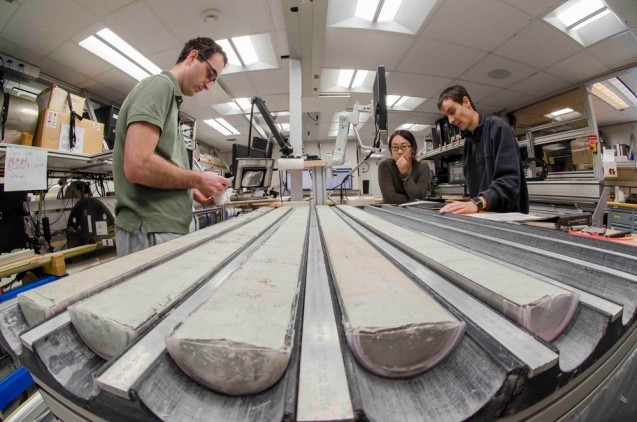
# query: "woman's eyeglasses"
[[396, 148], [212, 75]]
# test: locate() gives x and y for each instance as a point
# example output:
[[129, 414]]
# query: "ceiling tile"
[[100, 90], [414, 85], [480, 72], [83, 61], [539, 45], [537, 8], [278, 81], [103, 8], [578, 67], [341, 43], [508, 100], [235, 18], [7, 10], [239, 84], [540, 84], [436, 58], [117, 78], [616, 51], [148, 35], [63, 72], [483, 24], [36, 14]]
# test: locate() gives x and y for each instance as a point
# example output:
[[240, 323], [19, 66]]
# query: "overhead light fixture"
[[240, 50], [563, 114], [403, 102], [586, 21], [113, 49], [561, 111], [413, 127], [404, 16], [366, 9], [615, 93], [389, 10], [222, 126], [345, 77], [376, 10]]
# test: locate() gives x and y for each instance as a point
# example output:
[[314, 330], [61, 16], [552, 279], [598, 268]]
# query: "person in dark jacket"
[[491, 159], [403, 178]]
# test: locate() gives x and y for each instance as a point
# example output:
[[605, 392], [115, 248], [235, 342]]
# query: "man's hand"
[[202, 199], [403, 165], [460, 207], [212, 184]]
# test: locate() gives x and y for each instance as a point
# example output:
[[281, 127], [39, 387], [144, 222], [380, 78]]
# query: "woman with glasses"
[[403, 178]]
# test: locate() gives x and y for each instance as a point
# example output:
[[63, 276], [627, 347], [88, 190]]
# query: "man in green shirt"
[[154, 185]]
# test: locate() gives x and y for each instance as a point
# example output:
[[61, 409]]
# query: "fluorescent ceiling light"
[[243, 103], [366, 9], [615, 93], [284, 127], [359, 78], [233, 59], [240, 50], [222, 126], [412, 127], [576, 10], [369, 10], [591, 19], [561, 111], [389, 10], [586, 21], [392, 100], [128, 51], [245, 50], [107, 53], [403, 16], [345, 77]]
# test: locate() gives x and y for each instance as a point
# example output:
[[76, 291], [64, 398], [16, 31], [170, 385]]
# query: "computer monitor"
[[262, 144], [242, 151], [252, 174], [379, 103], [331, 183]]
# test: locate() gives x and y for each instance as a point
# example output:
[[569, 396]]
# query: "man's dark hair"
[[206, 48], [455, 93], [410, 137]]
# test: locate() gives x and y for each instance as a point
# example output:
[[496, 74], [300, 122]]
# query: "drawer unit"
[[622, 219]]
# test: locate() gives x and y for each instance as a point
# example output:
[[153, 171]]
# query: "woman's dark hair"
[[206, 48], [410, 137], [455, 93]]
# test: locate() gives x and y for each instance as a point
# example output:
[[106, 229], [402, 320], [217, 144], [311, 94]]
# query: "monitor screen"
[[379, 101], [456, 174], [330, 182], [262, 144], [241, 151]]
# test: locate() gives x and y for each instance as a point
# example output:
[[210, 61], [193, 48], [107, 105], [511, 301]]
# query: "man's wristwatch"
[[478, 201]]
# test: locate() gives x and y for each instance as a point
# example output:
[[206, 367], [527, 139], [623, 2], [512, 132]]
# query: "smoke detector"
[[210, 16]]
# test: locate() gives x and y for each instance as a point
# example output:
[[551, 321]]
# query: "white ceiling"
[[460, 42]]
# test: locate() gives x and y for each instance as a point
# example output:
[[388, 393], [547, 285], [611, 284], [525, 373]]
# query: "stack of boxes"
[[54, 119]]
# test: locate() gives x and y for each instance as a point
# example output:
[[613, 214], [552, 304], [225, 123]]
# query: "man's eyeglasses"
[[212, 75], [396, 148]]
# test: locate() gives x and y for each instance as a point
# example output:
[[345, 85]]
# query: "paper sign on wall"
[[25, 169]]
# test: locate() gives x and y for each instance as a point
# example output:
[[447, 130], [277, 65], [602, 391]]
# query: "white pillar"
[[296, 125]]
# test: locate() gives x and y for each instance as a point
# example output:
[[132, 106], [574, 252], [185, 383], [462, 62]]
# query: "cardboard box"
[[53, 133], [55, 98]]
